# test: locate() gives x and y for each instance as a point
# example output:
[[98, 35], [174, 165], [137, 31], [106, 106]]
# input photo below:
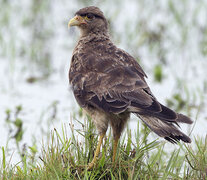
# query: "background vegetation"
[[168, 38]]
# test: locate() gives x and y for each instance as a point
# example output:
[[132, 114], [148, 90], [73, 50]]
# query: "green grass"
[[67, 158]]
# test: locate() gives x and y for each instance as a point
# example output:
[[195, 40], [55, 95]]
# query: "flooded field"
[[168, 38]]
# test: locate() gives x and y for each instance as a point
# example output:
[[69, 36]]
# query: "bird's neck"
[[94, 36]]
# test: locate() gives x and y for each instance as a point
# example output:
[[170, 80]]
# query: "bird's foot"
[[90, 165]]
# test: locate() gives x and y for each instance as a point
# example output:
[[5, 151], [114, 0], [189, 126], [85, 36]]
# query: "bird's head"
[[90, 20]]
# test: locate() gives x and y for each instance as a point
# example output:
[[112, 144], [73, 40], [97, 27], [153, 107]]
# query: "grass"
[[67, 157]]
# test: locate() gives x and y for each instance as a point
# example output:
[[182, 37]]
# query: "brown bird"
[[109, 84]]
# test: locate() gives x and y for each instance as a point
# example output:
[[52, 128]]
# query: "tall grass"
[[66, 157]]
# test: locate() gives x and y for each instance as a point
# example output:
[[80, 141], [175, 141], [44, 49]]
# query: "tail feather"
[[183, 119], [167, 129]]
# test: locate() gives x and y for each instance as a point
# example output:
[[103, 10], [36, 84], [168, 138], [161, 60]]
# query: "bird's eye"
[[89, 16]]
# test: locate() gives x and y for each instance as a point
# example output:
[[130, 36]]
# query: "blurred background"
[[167, 37]]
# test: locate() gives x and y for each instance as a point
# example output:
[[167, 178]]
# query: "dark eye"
[[90, 16]]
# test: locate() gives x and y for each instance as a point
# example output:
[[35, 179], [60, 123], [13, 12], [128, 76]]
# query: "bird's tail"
[[169, 130]]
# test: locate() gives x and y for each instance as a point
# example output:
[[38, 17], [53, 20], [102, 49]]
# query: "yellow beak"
[[76, 21]]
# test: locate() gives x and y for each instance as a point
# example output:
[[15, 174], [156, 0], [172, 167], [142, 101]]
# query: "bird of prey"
[[109, 84]]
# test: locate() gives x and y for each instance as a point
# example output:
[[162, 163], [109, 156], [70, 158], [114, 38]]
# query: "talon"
[[90, 166]]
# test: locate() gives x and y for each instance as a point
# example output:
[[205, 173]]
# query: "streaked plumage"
[[109, 84]]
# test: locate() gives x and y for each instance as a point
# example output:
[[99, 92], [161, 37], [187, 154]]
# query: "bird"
[[109, 85]]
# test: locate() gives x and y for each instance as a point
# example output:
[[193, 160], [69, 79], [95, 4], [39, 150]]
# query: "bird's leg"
[[116, 139], [90, 165]]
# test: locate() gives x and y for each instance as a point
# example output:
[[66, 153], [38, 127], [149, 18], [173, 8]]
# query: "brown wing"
[[109, 79]]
